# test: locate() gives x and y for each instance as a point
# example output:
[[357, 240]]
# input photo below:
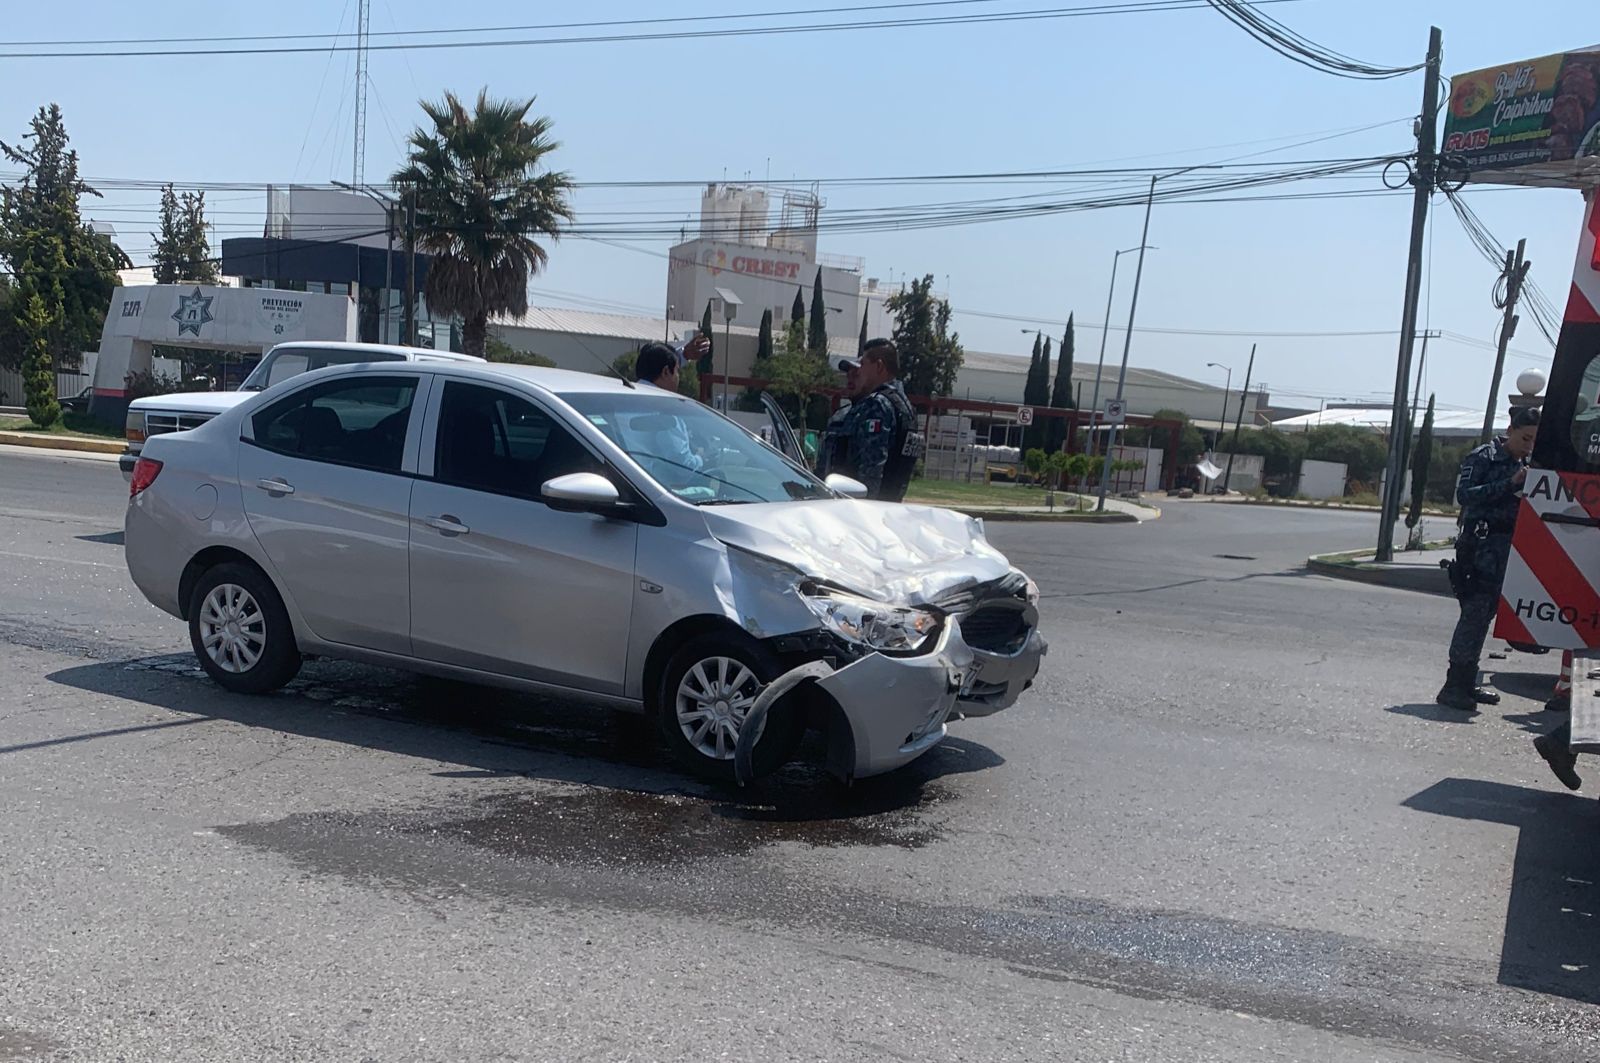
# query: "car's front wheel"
[[240, 630], [707, 691]]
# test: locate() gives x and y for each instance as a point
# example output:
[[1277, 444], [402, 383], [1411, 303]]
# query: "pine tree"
[[817, 334], [168, 252], [797, 312], [40, 223], [39, 310], [764, 338], [1061, 396], [1032, 387], [1420, 461]]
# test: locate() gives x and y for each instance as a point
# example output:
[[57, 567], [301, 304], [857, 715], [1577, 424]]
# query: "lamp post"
[[729, 303], [1226, 388], [388, 206], [1133, 307], [1105, 330]]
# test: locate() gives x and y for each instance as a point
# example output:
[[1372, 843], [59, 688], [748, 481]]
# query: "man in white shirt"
[[657, 367]]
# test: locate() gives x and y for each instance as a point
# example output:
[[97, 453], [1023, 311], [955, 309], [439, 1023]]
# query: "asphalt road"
[[1227, 825]]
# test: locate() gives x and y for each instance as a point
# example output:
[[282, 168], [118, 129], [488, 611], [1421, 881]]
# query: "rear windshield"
[[283, 363]]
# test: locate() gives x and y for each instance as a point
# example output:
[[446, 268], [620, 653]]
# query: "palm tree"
[[479, 205]]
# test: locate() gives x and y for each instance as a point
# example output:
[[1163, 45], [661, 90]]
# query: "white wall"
[[1248, 471], [1322, 479]]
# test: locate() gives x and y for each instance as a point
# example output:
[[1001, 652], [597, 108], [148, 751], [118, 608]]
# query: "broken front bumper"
[[897, 707]]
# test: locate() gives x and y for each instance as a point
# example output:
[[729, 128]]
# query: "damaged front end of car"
[[940, 631]]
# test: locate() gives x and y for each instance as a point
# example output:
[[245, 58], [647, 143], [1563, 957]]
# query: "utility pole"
[[363, 24], [1238, 423], [1423, 182], [409, 319], [1515, 273], [1127, 341], [1416, 397]]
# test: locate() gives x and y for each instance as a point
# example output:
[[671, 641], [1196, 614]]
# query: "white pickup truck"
[[179, 412]]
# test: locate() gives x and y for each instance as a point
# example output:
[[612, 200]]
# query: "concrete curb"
[[1023, 517], [1428, 580], [45, 441]]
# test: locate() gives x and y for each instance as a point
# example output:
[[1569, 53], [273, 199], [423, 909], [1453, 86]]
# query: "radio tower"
[[363, 20]]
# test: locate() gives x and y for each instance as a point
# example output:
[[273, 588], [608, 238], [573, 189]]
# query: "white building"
[[739, 250]]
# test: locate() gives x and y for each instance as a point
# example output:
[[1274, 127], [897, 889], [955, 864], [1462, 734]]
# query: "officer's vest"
[[905, 448]]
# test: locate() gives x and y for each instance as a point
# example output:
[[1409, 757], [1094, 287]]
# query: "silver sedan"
[[572, 534]]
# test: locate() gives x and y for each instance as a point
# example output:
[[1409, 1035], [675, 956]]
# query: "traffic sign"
[[1024, 415], [1116, 410]]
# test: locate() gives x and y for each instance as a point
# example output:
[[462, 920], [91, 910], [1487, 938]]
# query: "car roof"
[[410, 354], [555, 381]]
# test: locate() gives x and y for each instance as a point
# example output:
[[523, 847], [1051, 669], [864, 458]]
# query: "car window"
[[492, 440], [694, 452], [284, 366], [284, 363], [358, 422]]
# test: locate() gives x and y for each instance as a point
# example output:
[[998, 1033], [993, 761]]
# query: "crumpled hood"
[[193, 401], [910, 555]]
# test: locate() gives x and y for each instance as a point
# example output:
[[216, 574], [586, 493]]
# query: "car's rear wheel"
[[240, 630], [707, 691]]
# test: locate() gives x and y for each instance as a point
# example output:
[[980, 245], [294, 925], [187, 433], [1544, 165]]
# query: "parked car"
[[574, 534], [181, 411], [78, 403]]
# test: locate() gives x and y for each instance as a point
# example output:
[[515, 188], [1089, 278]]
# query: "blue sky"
[[1147, 89]]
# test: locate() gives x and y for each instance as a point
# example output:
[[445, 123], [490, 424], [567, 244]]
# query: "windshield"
[[284, 362], [695, 453]]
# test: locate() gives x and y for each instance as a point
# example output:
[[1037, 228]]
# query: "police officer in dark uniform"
[[831, 447], [877, 441], [1488, 490]]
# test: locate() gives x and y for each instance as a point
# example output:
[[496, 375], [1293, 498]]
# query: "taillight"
[[145, 471]]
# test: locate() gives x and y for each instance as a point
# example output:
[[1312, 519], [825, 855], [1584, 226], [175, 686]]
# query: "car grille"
[[996, 629], [156, 424]]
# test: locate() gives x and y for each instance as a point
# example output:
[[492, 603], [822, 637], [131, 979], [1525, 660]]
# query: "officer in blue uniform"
[[1488, 489], [831, 447], [877, 441]]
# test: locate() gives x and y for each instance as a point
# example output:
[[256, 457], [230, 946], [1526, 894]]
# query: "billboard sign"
[[1538, 112]]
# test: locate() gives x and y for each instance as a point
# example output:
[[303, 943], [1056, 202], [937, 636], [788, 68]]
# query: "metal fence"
[[12, 389]]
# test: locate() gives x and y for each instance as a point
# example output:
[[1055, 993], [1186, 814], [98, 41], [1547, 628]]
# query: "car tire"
[[706, 688], [240, 631]]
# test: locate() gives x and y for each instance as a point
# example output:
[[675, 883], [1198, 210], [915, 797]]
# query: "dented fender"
[[896, 707]]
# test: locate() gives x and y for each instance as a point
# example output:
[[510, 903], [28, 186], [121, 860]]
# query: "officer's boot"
[[1481, 695], [1457, 692]]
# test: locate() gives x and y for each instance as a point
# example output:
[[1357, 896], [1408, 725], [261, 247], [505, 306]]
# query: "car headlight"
[[1031, 590], [887, 628]]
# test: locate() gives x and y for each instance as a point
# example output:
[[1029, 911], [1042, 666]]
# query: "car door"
[[327, 493], [500, 581], [783, 435]]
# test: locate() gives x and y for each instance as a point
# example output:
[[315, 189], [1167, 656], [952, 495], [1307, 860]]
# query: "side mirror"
[[580, 491], [844, 485]]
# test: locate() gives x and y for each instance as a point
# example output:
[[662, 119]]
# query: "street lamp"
[[729, 303], [1216, 447], [389, 206], [1105, 330], [1133, 306], [1322, 406]]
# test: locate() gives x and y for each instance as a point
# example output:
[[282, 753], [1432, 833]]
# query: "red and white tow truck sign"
[[1551, 594]]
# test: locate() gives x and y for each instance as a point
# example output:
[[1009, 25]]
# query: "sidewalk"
[[1411, 570], [56, 441]]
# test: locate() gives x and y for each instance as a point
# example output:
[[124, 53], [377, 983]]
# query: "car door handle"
[[275, 487], [447, 524]]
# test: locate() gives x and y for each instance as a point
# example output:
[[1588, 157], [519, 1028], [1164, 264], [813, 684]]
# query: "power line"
[[1301, 49], [397, 32], [1127, 7]]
